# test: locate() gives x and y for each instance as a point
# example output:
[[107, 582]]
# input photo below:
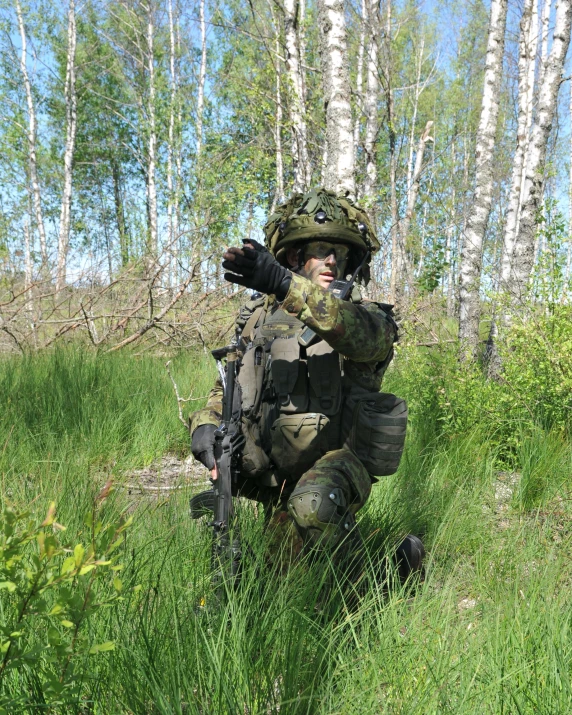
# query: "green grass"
[[488, 631]]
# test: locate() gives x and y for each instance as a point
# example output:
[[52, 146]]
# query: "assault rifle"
[[229, 441]]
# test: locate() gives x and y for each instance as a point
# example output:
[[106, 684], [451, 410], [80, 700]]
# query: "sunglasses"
[[322, 249]]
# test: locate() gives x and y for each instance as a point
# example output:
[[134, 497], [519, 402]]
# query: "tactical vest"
[[301, 402]]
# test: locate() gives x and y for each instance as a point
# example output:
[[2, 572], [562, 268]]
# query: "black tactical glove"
[[202, 445], [259, 270]]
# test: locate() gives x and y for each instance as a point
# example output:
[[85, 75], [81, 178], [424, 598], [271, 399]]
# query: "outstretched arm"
[[360, 332]]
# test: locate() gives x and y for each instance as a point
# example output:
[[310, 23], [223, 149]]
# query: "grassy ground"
[[488, 631]]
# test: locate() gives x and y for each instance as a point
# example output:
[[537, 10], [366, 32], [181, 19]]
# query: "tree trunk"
[[546, 8], [471, 258], [359, 73], [413, 190], [153, 244], [336, 81], [120, 213], [370, 104], [395, 285], [172, 149], [202, 78], [279, 191], [71, 126], [526, 58], [549, 84], [32, 161], [300, 160]]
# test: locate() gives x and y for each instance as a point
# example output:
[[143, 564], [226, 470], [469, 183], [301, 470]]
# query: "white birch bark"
[[413, 191], [549, 84], [370, 103], [526, 59], [545, 30], [152, 138], [418, 90], [300, 159], [397, 249], [178, 171], [336, 80], [530, 93], [171, 150], [359, 73], [471, 258], [302, 45], [279, 117], [32, 124], [71, 126], [202, 78]]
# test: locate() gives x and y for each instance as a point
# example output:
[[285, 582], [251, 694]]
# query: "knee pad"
[[320, 514]]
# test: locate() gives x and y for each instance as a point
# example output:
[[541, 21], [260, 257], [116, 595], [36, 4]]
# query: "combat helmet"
[[321, 215]]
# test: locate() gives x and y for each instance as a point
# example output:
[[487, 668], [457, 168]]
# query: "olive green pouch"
[[298, 441], [377, 432], [255, 461]]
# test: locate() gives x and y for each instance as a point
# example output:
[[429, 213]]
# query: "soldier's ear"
[[292, 256]]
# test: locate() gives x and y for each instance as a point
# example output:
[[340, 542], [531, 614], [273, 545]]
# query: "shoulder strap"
[[253, 320]]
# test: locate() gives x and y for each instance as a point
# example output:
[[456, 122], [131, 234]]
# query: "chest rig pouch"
[[306, 383]]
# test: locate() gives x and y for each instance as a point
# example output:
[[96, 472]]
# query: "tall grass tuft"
[[486, 631]]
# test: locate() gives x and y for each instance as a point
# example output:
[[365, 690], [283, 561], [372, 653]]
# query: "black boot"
[[409, 557]]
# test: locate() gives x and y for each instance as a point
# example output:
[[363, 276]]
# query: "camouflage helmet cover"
[[319, 214]]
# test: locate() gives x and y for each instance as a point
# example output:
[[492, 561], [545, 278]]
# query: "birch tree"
[[471, 257], [71, 128], [279, 116], [173, 149], [527, 56], [32, 124], [359, 72], [153, 244], [522, 258], [300, 159], [371, 100], [202, 79], [413, 189], [340, 150]]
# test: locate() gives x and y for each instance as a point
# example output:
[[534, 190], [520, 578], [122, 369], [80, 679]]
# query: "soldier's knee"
[[321, 514]]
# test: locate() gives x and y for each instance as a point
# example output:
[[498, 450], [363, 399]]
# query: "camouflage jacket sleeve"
[[362, 332], [211, 414]]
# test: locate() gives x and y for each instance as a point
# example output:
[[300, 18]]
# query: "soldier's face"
[[321, 269]]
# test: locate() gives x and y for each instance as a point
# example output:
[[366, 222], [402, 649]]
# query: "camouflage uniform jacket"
[[299, 401]]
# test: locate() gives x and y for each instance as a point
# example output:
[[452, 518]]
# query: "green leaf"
[[68, 565], [102, 647], [67, 624], [117, 584], [78, 553], [86, 569], [8, 585]]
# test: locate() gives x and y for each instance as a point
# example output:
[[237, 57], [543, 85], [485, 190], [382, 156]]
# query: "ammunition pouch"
[[298, 441], [375, 425]]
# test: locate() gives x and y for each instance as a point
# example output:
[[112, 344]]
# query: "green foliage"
[[552, 236], [537, 368], [48, 593], [533, 388]]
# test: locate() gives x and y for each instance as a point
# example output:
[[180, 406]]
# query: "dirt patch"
[[165, 476]]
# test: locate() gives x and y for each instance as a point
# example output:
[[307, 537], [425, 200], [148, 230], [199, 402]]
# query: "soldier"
[[318, 431]]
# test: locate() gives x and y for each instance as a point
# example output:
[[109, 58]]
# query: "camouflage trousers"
[[317, 511]]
